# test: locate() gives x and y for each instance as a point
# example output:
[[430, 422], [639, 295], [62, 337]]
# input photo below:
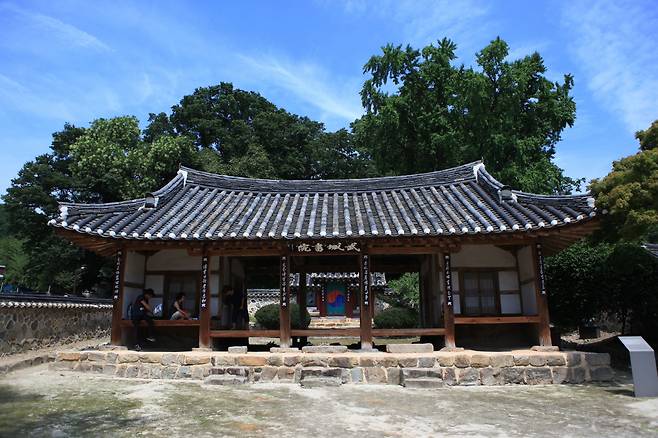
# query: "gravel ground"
[[40, 402]]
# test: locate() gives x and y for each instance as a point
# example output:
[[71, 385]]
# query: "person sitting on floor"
[[177, 311], [142, 311]]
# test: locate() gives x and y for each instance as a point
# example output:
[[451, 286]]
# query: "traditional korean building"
[[477, 244]]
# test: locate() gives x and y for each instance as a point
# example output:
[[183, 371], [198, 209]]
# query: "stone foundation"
[[26, 326], [418, 370]]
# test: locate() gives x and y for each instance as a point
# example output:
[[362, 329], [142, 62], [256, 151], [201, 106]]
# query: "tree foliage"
[[576, 278], [590, 281], [405, 291], [442, 115], [630, 194]]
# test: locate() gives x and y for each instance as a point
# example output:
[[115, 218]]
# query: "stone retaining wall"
[[28, 326], [417, 370]]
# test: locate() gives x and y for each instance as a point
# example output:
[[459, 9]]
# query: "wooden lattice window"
[[480, 293]]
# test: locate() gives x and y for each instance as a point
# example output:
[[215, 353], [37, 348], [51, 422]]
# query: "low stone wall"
[[26, 326], [411, 369]]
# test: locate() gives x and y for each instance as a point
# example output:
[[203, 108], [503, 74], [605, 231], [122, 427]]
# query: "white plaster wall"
[[508, 280], [526, 268], [529, 298], [526, 274], [510, 304], [482, 256], [178, 260], [134, 270], [155, 282]]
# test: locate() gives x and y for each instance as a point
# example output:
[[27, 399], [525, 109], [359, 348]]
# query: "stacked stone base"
[[426, 370]]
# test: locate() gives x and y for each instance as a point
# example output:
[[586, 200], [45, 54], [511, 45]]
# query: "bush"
[[405, 291], [396, 317], [268, 317]]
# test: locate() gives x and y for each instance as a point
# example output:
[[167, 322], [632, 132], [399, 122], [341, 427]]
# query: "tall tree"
[[426, 113], [630, 193]]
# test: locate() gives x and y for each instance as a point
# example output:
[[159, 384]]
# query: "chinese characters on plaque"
[[540, 266], [365, 279], [285, 281], [204, 282], [117, 276], [327, 247], [447, 274]]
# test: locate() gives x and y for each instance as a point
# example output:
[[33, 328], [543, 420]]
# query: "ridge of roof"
[[237, 183]]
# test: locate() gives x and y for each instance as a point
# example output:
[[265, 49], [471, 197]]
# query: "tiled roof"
[[652, 248], [199, 206]]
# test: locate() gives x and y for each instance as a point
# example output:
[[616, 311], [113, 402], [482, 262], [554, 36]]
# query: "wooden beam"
[[117, 296], [204, 305], [448, 303], [126, 323], [244, 333], [284, 302], [410, 332], [544, 329], [365, 320], [328, 332], [497, 319]]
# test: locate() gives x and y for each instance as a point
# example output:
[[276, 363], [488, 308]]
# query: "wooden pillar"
[[284, 302], [204, 306], [448, 304], [301, 302], [544, 329], [365, 316], [117, 296]]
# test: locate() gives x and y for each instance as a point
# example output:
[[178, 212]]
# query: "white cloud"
[[19, 97], [615, 43], [55, 28], [308, 83], [422, 22]]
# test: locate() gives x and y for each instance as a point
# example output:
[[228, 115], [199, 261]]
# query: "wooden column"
[[544, 329], [448, 304], [117, 296], [204, 306], [284, 302], [365, 316], [301, 301]]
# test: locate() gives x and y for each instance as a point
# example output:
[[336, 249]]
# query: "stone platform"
[[418, 370]]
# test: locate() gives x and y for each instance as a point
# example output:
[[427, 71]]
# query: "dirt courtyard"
[[40, 402]]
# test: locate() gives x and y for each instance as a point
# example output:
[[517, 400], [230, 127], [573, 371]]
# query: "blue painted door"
[[335, 298]]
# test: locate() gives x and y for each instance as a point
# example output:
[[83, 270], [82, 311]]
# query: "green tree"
[[441, 115], [576, 280], [405, 291], [649, 137], [630, 194], [15, 260], [250, 136]]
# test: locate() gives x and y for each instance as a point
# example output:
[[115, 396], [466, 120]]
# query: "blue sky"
[[74, 61]]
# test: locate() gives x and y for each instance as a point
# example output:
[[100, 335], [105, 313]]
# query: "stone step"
[[318, 372], [226, 380], [230, 371], [320, 382], [418, 373], [423, 383]]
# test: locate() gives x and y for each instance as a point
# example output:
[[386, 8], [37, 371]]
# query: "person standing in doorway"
[[142, 311]]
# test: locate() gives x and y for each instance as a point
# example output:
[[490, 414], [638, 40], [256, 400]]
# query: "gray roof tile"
[[202, 206]]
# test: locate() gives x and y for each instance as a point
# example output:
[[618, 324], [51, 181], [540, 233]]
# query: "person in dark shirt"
[[177, 311], [142, 311]]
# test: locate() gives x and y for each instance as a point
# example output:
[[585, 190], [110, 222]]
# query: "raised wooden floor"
[[496, 319], [165, 323], [335, 332]]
